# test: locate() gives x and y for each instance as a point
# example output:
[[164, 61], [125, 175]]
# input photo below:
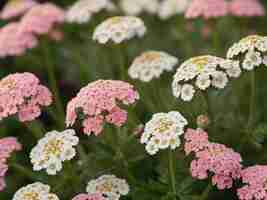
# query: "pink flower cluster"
[[88, 197], [211, 158], [22, 94], [98, 103], [17, 37], [256, 179], [7, 146], [247, 8]]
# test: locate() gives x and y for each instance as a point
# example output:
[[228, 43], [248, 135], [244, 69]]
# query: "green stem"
[[252, 100], [29, 174], [36, 128], [206, 192], [122, 59], [172, 173]]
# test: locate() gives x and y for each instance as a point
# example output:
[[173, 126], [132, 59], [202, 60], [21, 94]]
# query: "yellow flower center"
[[200, 62], [7, 84], [53, 147], [105, 187], [252, 39], [149, 57], [163, 126], [31, 196]]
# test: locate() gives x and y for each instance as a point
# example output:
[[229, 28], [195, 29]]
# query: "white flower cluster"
[[35, 191], [206, 71], [169, 8], [151, 64], [253, 48], [82, 10], [54, 148], [136, 7], [119, 29], [163, 131], [109, 186]]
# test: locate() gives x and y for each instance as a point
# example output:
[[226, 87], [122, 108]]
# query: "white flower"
[[163, 131], [109, 186], [35, 191], [119, 29], [187, 92], [151, 64], [82, 10], [135, 7], [254, 57], [264, 60], [203, 81], [219, 79], [234, 72], [169, 8], [176, 89], [53, 149]]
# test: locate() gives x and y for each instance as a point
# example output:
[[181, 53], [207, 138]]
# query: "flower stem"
[[252, 100], [172, 173], [21, 169], [206, 192]]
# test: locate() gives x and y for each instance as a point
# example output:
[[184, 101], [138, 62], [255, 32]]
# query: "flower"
[[35, 191], [169, 8], [88, 197], [22, 94], [15, 8], [251, 51], [14, 44], [255, 179], [212, 158], [246, 8], [83, 10], [7, 146], [207, 9], [53, 149], [207, 71], [119, 29], [109, 186], [203, 121], [41, 19], [97, 103], [163, 131], [151, 64], [136, 7]]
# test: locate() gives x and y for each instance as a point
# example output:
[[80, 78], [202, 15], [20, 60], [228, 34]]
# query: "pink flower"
[[41, 19], [211, 158], [246, 8], [207, 9], [22, 94], [14, 43], [255, 178], [15, 8], [98, 103], [7, 146], [88, 197]]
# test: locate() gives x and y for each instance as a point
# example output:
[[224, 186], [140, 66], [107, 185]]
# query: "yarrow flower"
[[251, 50], [97, 103], [246, 8], [7, 146], [15, 8], [111, 187], [22, 94], [118, 29], [136, 7], [255, 179], [83, 10], [222, 163], [88, 197], [53, 149], [203, 72], [35, 191], [169, 8], [207, 9], [151, 64], [163, 131]]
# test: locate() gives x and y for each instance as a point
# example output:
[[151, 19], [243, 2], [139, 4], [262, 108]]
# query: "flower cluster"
[[163, 131], [111, 187], [35, 191], [246, 8], [97, 103], [136, 7], [255, 179], [7, 146], [88, 197], [206, 71], [151, 64], [83, 10], [53, 149], [223, 163], [22, 94], [15, 8], [119, 29], [252, 50]]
